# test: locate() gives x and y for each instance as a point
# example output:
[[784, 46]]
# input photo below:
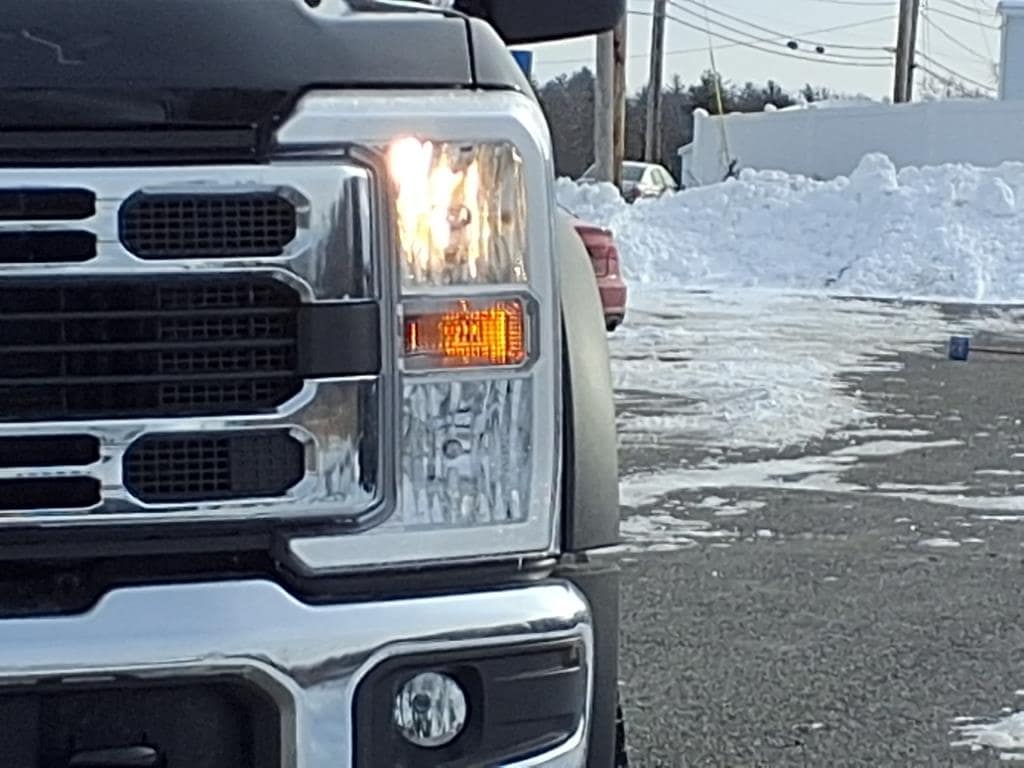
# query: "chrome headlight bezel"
[[326, 122]]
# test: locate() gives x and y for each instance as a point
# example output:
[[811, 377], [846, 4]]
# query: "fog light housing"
[[430, 710]]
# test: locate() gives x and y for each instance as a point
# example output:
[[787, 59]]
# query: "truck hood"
[[87, 65]]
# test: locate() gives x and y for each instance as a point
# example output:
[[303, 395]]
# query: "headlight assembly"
[[465, 185]]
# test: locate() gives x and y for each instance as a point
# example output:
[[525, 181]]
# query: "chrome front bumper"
[[309, 658]]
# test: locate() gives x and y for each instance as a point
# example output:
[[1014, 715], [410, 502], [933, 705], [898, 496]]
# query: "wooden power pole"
[[619, 99], [652, 137], [915, 17], [906, 42], [604, 108]]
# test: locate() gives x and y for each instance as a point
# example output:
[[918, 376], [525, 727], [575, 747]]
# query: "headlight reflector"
[[465, 453], [460, 211]]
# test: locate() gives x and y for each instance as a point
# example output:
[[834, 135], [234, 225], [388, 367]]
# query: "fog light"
[[430, 710]]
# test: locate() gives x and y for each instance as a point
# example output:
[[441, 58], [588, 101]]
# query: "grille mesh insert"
[[180, 468], [193, 226], [89, 348]]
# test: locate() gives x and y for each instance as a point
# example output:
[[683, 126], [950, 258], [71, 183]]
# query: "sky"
[[957, 39]]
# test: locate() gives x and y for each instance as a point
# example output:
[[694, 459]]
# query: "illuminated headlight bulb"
[[430, 710]]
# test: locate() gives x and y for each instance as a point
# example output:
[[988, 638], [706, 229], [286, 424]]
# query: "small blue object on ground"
[[959, 348]]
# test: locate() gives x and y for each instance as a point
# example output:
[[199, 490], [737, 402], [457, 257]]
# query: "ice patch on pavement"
[[941, 232], [1004, 735], [940, 543], [724, 508], [762, 369], [887, 448], [755, 369], [665, 533], [808, 473]]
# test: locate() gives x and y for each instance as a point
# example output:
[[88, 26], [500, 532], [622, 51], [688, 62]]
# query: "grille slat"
[[58, 317], [144, 346], [48, 451], [58, 204], [204, 226], [49, 493], [52, 247], [158, 347], [45, 381]]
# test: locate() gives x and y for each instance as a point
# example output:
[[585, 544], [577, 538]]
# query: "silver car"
[[639, 180]]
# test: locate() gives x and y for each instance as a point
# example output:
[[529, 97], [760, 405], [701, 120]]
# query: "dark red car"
[[604, 258]]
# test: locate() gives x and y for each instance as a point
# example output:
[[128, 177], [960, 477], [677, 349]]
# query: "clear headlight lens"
[[467, 180], [460, 211], [466, 453]]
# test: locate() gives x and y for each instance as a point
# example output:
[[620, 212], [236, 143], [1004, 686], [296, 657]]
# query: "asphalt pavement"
[[851, 601]]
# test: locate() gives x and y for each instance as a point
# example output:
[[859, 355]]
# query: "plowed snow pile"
[[952, 232]]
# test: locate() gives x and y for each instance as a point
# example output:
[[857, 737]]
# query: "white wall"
[[1011, 65], [828, 142]]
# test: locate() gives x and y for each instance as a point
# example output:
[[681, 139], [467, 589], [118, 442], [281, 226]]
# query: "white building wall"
[[1011, 65], [828, 142]]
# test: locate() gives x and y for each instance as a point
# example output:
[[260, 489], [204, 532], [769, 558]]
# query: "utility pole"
[[604, 108], [619, 98], [906, 41], [652, 137], [915, 16]]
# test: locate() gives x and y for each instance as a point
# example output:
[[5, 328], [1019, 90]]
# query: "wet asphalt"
[[840, 618]]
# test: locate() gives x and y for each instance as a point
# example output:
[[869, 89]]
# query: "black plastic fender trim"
[[590, 492]]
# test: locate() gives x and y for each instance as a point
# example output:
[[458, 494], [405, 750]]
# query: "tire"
[[621, 755]]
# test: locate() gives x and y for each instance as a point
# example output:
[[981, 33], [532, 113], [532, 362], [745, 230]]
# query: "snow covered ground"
[[950, 232], [750, 310], [742, 341], [755, 368], [742, 328]]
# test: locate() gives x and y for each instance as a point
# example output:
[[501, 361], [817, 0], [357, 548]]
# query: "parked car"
[[640, 180], [604, 258]]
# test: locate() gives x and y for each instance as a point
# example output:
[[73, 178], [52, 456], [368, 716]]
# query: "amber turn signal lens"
[[466, 335]]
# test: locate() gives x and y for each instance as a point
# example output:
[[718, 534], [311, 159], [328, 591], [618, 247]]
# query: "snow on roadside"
[[953, 232], [1005, 735]]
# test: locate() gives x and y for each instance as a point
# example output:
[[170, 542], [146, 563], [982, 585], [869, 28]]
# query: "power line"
[[835, 56], [963, 6], [777, 33], [949, 81], [953, 39], [981, 18], [787, 54], [958, 17], [687, 51], [859, 3], [954, 73]]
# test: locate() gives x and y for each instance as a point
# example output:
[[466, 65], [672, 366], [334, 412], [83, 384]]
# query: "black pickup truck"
[[306, 426]]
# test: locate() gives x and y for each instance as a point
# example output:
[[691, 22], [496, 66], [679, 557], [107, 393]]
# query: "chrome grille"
[[231, 367]]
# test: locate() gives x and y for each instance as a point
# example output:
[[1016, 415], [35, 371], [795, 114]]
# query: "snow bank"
[[947, 232]]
